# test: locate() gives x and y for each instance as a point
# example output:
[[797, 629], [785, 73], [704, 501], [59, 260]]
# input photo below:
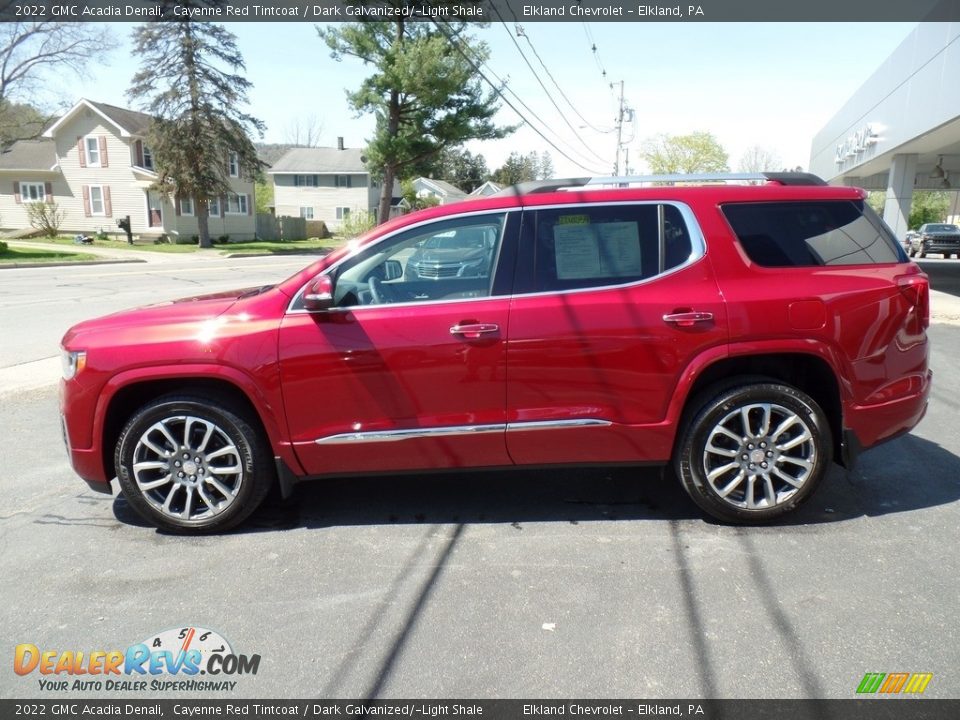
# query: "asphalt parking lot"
[[605, 583]]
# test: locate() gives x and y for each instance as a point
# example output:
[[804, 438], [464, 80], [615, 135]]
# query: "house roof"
[[490, 186], [29, 155], [128, 122], [443, 187], [136, 123], [320, 160]]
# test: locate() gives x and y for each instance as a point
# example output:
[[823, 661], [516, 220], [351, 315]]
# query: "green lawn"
[[255, 247], [25, 255]]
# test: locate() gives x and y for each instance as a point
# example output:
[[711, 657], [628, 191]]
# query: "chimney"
[[339, 143]]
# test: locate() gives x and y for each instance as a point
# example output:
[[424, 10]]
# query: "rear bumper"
[[869, 425]]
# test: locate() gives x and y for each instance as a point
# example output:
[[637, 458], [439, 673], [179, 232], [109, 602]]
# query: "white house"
[[440, 190], [94, 164], [324, 183]]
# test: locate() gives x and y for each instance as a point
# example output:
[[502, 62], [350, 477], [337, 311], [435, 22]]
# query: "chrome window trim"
[[697, 242], [446, 430], [346, 258]]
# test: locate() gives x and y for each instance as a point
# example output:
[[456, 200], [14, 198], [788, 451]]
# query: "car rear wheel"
[[754, 452], [193, 464]]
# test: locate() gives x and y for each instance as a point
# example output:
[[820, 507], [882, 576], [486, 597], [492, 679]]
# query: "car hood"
[[447, 255], [169, 314]]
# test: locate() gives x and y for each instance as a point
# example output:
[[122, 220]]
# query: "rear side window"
[[595, 246], [801, 234]]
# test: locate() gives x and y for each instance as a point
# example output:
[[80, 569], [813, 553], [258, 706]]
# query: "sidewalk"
[[118, 254]]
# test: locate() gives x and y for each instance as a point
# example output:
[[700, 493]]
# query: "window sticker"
[[602, 250]]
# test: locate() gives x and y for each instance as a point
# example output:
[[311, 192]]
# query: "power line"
[[456, 45], [536, 75], [523, 33]]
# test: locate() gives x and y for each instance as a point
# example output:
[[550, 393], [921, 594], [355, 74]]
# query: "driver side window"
[[447, 260]]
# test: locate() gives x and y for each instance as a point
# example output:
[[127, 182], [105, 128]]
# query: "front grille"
[[437, 271]]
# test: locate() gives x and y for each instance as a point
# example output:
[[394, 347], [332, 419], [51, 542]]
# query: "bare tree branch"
[[305, 131]]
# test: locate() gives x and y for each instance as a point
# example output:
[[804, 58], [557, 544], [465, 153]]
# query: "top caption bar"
[[522, 11]]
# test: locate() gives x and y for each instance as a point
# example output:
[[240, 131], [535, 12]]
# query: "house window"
[[343, 181], [236, 204], [306, 213], [92, 145], [306, 181], [186, 206], [234, 165], [214, 207], [147, 158], [32, 192], [343, 213], [96, 200]]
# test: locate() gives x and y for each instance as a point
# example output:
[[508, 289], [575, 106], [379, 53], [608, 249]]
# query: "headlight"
[[73, 361]]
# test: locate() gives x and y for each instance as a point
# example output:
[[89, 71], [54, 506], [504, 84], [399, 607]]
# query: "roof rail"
[[544, 186]]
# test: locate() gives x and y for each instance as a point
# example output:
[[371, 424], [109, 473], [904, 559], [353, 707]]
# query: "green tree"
[[190, 81], [424, 94], [20, 121], [699, 152], [926, 206], [461, 168], [520, 168], [264, 194]]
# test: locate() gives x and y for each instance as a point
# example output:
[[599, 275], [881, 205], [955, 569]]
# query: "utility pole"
[[620, 114]]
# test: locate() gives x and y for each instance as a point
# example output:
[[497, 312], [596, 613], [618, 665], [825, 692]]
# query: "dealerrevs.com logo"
[[181, 659]]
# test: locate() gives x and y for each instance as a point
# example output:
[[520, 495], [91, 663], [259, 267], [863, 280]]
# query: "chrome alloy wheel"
[[187, 468], [759, 455]]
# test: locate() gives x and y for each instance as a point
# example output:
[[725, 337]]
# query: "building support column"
[[896, 210]]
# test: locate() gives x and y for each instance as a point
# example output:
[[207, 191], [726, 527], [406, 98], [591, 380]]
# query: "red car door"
[[612, 302], [406, 372]]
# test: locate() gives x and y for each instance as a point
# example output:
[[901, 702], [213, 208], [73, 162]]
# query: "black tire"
[[722, 410], [226, 475], [923, 252]]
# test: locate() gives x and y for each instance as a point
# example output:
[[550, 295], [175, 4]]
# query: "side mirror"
[[392, 269], [319, 294]]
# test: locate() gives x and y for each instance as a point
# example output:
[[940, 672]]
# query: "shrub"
[[223, 239], [46, 217], [356, 224], [3, 246]]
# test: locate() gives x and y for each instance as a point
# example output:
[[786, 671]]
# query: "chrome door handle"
[[474, 330], [688, 319]]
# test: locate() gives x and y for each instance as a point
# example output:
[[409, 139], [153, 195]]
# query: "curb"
[[67, 263]]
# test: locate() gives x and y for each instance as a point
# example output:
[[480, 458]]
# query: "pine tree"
[[424, 93], [190, 82]]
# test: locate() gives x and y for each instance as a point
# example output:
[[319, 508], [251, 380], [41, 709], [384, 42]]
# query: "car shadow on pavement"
[[886, 480]]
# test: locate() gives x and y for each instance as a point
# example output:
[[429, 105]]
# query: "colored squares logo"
[[894, 683]]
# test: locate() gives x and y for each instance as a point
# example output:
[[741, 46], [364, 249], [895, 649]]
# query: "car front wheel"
[[754, 452], [193, 464]]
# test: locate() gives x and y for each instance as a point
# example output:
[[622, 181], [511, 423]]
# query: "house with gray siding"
[[325, 183], [94, 163]]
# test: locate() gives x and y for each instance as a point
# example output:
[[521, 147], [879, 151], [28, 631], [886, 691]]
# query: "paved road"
[[536, 584], [37, 305]]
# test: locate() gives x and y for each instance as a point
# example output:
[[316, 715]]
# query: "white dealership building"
[[900, 131]]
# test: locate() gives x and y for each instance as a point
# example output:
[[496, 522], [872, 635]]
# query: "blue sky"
[[768, 84]]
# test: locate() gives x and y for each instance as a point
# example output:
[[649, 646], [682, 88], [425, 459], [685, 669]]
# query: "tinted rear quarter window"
[[814, 233]]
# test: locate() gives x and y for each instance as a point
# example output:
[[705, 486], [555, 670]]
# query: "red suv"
[[750, 334]]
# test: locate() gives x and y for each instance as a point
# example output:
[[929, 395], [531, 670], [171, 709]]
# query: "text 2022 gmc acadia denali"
[[747, 334]]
